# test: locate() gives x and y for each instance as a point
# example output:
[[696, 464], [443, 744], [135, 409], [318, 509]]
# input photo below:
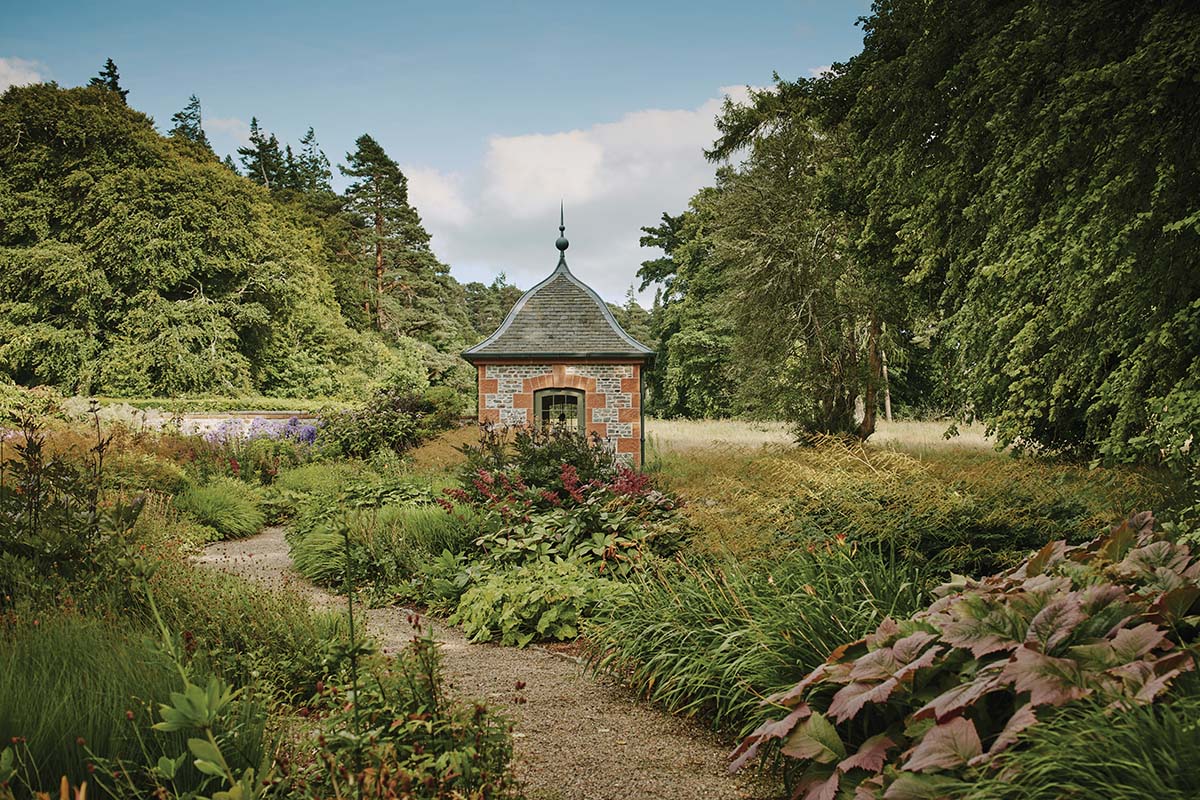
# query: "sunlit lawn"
[[673, 435]]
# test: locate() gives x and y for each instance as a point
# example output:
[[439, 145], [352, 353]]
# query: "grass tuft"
[[1092, 750], [227, 505], [714, 641]]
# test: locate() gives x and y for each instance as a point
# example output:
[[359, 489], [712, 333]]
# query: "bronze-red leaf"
[[871, 754], [851, 698], [946, 746]]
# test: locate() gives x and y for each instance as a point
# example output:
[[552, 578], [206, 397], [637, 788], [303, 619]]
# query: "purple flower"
[[235, 431]]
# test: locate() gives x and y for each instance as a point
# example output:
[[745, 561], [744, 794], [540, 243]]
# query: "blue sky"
[[496, 111]]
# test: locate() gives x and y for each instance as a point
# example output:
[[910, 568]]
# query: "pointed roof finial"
[[562, 244]]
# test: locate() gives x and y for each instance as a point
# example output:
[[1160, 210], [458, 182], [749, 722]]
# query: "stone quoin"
[[561, 358]]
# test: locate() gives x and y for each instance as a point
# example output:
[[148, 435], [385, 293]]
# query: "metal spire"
[[562, 244]]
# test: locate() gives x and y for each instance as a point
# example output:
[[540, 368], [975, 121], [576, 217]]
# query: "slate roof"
[[561, 317]]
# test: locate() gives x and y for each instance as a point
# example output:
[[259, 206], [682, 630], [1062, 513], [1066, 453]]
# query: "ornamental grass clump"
[[923, 704], [390, 547], [713, 640], [76, 693], [1091, 749], [227, 505]]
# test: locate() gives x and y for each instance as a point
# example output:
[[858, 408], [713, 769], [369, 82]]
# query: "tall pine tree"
[[290, 177], [412, 293], [110, 79], [189, 123], [313, 166], [262, 160]]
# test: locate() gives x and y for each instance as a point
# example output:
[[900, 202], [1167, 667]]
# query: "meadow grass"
[[71, 684], [675, 435], [919, 437], [441, 453], [749, 491], [321, 477]]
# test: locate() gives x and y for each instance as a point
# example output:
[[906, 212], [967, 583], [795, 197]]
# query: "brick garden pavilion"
[[560, 357]]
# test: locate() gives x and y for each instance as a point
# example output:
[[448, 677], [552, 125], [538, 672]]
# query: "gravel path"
[[576, 737]]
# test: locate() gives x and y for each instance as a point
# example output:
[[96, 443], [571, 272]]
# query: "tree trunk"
[[874, 372], [378, 270], [887, 388]]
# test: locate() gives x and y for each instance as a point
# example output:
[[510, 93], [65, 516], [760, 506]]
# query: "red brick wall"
[[612, 401]]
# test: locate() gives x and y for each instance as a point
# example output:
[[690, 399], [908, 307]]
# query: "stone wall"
[[612, 401]]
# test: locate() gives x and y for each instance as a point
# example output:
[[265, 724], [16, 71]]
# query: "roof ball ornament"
[[562, 244]]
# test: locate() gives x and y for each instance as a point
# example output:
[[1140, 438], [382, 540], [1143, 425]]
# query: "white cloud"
[[231, 128], [525, 175], [19, 72], [817, 72], [437, 197], [613, 177]]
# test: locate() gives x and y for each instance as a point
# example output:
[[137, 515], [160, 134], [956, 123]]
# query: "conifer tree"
[[314, 171], [228, 162], [290, 174], [110, 79], [412, 292], [263, 162], [189, 123], [379, 196]]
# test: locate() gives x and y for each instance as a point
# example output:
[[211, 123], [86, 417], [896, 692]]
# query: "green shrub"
[[67, 684], [922, 703], [375, 489], [609, 536], [538, 456], [713, 641], [389, 547], [227, 505], [612, 522], [321, 478], [390, 420], [56, 525], [1095, 750], [538, 601], [163, 526], [139, 472], [261, 458], [310, 491], [535, 456], [420, 737], [445, 579]]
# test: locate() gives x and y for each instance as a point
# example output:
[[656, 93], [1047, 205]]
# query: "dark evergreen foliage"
[[488, 305], [189, 124], [109, 78], [411, 292]]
